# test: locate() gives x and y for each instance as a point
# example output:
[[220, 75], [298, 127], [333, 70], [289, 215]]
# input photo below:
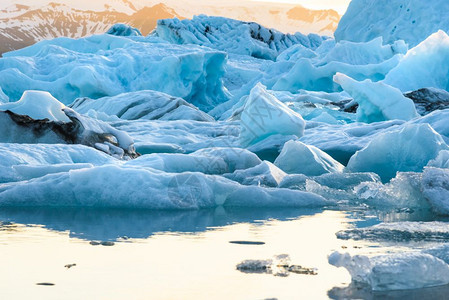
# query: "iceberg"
[[38, 105], [397, 271], [25, 161], [435, 186], [120, 29], [56, 123], [409, 148], [144, 105], [233, 36], [299, 158], [360, 61], [409, 20], [425, 66], [107, 65], [263, 116], [265, 174], [377, 101], [115, 186]]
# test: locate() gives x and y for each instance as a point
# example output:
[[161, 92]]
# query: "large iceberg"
[[107, 65], [232, 36], [140, 187], [409, 20]]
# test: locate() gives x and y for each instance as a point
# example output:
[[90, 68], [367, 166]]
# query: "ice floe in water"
[[397, 271], [409, 148], [140, 187]]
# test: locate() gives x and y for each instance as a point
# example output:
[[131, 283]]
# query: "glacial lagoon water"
[[128, 254]]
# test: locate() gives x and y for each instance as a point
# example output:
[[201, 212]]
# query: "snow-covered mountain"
[[28, 21]]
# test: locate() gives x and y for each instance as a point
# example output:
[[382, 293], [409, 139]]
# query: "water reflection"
[[119, 224], [358, 291]]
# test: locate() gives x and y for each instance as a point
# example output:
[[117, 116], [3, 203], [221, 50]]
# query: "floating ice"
[[232, 36], [341, 141], [358, 60], [265, 174], [409, 148], [134, 187], [377, 101], [38, 105], [25, 161], [107, 65], [435, 186], [145, 105], [398, 271], [424, 66], [56, 123], [263, 116], [299, 158], [409, 20], [120, 29]]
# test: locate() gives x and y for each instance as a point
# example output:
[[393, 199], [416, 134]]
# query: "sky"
[[338, 5]]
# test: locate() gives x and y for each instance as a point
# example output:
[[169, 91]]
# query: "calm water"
[[180, 255]]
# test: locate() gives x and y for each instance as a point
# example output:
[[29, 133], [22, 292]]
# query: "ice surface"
[[409, 20], [400, 232], [25, 161], [424, 66], [232, 36], [235, 158], [409, 148], [126, 187], [264, 174], [358, 60], [377, 101], [146, 105], [120, 29], [38, 105], [341, 141], [398, 271], [107, 65], [435, 188], [403, 191], [263, 116], [55, 124], [299, 158]]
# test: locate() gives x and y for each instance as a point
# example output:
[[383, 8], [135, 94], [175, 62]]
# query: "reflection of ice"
[[361, 291], [114, 224]]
